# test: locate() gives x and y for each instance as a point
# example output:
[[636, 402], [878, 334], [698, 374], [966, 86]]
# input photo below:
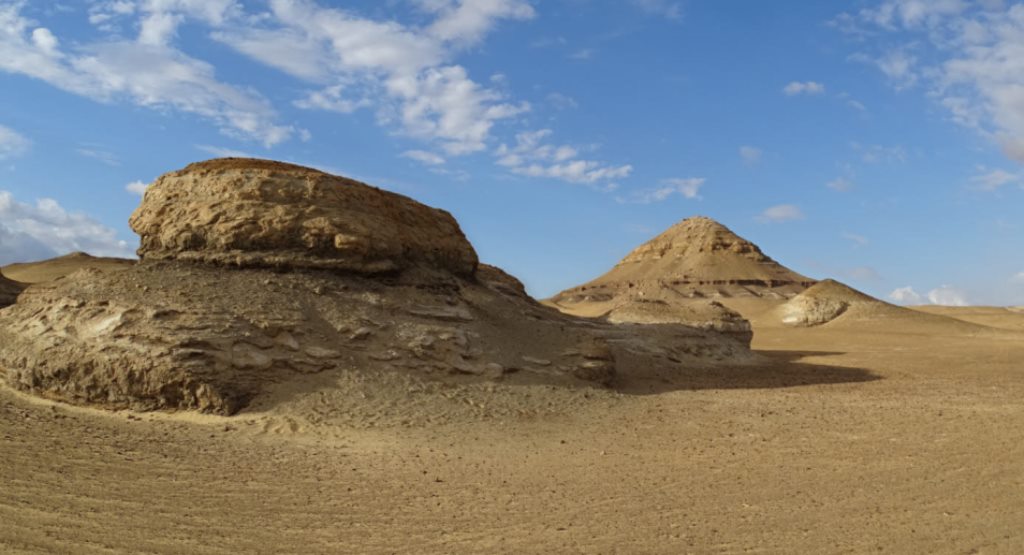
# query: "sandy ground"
[[870, 440]]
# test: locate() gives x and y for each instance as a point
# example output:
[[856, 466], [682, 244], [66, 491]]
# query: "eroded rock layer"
[[258, 213]]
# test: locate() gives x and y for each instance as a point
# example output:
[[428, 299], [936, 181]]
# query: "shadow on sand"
[[773, 370]]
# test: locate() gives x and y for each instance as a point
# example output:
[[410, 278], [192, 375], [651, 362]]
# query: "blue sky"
[[877, 142]]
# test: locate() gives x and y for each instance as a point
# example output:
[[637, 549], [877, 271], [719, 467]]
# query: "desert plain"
[[699, 398]]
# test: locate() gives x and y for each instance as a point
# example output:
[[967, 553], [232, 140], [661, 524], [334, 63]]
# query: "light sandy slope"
[[995, 316], [835, 305], [855, 442], [49, 270]]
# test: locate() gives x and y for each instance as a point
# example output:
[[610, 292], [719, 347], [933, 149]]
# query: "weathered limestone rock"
[[258, 213]]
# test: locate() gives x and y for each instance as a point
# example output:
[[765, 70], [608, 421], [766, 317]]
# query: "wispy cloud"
[[146, 71], [12, 143], [102, 156], [840, 184], [858, 240], [781, 213], [803, 87], [664, 8], [750, 155], [966, 55], [685, 187], [221, 152], [532, 156], [424, 157], [995, 179]]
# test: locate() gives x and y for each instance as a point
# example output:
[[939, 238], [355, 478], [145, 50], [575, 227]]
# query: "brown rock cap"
[[260, 213]]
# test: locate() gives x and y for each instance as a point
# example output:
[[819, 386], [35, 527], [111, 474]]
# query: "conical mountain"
[[697, 257]]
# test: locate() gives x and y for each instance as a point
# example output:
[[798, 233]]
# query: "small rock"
[[320, 352]]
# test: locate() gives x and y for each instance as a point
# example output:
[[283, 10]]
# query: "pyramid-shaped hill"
[[259, 280], [696, 258], [832, 304]]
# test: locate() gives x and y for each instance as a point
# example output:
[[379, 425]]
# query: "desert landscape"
[[302, 363], [512, 277]]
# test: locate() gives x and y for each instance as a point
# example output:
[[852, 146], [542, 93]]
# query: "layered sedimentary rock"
[[695, 258], [255, 274], [258, 213], [675, 276]]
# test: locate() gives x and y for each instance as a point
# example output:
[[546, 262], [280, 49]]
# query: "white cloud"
[[404, 72], [991, 180], [424, 157], [840, 184], [136, 188], [102, 156], [906, 295], [533, 157], [688, 187], [781, 213], [805, 87], [1018, 277], [12, 143], [947, 296], [968, 55], [467, 22], [663, 8], [146, 72], [750, 154], [43, 230]]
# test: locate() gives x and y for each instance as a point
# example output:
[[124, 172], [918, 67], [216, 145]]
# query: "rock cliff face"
[[256, 274], [9, 291], [257, 213]]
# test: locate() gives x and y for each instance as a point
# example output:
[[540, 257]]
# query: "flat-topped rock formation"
[[258, 275], [258, 213]]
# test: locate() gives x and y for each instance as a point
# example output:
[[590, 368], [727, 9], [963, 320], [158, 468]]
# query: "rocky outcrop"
[[826, 301], [208, 320], [9, 291], [701, 314], [258, 213]]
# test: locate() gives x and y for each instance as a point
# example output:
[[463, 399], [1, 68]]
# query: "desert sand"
[[881, 429]]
